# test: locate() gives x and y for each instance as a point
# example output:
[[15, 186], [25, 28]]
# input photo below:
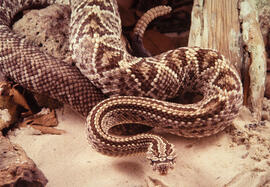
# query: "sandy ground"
[[235, 157]]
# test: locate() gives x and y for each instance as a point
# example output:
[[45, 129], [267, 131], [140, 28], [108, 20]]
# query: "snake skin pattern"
[[102, 58], [37, 71]]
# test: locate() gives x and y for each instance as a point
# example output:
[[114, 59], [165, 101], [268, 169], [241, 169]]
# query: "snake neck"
[[103, 59], [101, 56], [106, 115]]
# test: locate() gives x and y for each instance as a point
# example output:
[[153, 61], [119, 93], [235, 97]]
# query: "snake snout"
[[162, 165]]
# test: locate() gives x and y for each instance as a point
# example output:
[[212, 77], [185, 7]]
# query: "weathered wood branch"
[[231, 27], [215, 24], [255, 50]]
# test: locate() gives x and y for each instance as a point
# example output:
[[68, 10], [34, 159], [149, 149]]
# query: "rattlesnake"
[[101, 57]]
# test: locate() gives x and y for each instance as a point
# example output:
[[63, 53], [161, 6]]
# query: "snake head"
[[162, 162], [163, 166]]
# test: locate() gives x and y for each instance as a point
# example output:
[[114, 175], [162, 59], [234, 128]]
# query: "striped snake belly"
[[102, 58]]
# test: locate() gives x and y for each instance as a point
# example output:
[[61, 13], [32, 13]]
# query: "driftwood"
[[267, 86], [264, 19], [235, 32], [255, 57], [16, 168]]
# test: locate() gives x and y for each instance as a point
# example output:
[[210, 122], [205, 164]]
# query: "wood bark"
[[255, 55], [231, 27], [267, 86], [264, 19]]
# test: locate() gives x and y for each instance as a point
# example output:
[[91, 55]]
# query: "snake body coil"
[[102, 58]]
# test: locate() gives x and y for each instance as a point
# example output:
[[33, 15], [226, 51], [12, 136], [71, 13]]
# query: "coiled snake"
[[101, 57]]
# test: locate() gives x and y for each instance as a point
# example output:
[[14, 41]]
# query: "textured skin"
[[149, 16], [102, 58], [139, 29], [40, 72]]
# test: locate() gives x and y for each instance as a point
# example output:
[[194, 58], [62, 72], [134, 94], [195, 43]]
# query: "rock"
[[16, 168], [47, 28]]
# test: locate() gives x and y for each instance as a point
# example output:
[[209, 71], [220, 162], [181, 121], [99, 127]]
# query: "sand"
[[234, 157]]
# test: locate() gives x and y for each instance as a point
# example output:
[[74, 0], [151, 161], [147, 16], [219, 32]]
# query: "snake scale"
[[138, 86]]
